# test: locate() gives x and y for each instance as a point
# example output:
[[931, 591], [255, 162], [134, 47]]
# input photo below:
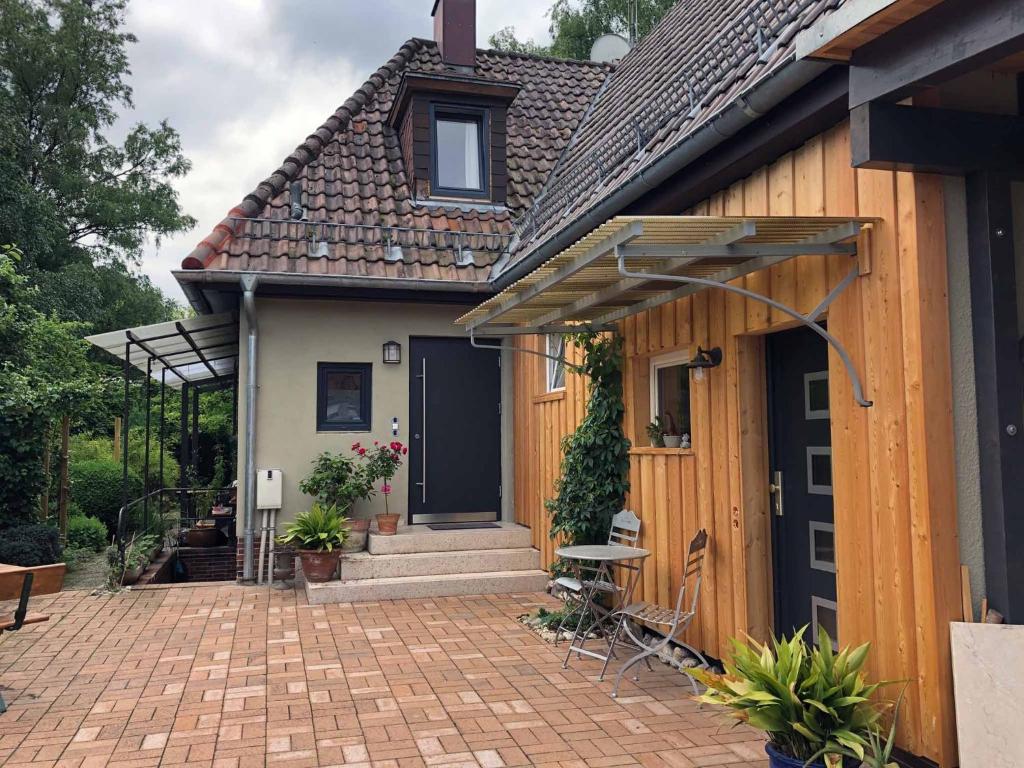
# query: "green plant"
[[382, 463], [656, 433], [86, 533], [96, 488], [811, 702], [337, 480], [595, 464], [76, 558], [29, 544], [321, 528]]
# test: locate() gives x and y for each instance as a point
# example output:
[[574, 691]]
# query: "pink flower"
[[362, 451], [405, 451], [355, 446], [385, 489]]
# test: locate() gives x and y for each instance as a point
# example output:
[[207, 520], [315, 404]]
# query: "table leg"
[[587, 601]]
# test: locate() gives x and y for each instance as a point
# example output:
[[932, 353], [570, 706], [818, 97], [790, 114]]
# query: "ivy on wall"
[[594, 477]]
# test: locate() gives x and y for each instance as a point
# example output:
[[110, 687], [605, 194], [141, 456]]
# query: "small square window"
[[459, 152], [670, 394], [556, 368], [825, 615], [816, 395], [343, 397], [819, 470], [823, 546]]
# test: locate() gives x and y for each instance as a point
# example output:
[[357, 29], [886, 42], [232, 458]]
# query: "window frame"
[[551, 368], [464, 113], [668, 360], [323, 370]]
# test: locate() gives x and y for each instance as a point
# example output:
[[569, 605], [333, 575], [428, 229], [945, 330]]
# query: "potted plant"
[[656, 433], [382, 463], [318, 535], [670, 437], [814, 704], [340, 481]]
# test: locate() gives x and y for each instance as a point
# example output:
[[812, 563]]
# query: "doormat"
[[460, 526]]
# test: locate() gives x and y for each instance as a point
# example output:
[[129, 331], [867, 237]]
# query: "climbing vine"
[[594, 476]]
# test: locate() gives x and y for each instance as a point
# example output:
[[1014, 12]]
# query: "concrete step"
[[364, 565], [419, 538], [407, 587]]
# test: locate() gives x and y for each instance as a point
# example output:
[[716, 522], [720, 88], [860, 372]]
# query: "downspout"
[[743, 111], [249, 509]]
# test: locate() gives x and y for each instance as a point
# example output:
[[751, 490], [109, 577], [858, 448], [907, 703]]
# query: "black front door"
[[803, 531], [455, 451]]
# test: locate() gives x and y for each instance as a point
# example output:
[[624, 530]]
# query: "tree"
[[69, 194], [576, 24]]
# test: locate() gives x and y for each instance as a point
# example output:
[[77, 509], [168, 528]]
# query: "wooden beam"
[[926, 140], [956, 37]]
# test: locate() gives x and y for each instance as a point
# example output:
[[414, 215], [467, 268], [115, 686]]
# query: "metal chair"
[[676, 620], [624, 531]]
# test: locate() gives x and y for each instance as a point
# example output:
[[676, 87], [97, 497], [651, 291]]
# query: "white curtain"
[[471, 142]]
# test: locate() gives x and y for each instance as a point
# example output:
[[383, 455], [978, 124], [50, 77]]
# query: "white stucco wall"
[[296, 334]]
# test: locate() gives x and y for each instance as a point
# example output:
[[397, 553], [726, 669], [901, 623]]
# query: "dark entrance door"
[[803, 532], [455, 451]]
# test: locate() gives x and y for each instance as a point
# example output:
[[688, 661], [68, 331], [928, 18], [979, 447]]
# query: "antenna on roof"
[[297, 212]]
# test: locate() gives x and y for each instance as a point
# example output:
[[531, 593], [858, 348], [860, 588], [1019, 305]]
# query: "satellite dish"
[[609, 47]]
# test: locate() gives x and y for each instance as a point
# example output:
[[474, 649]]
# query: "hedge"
[[29, 544], [96, 489], [86, 533]]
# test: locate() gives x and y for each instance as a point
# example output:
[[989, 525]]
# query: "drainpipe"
[[249, 511]]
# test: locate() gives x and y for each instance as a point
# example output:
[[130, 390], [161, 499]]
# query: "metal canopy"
[[632, 264], [193, 351]]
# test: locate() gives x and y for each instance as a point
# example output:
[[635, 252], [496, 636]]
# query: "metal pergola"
[[194, 355], [631, 264]]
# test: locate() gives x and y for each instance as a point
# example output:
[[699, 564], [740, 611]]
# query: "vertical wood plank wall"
[[893, 464]]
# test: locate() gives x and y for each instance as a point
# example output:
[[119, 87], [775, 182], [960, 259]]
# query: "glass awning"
[[195, 350], [631, 264]]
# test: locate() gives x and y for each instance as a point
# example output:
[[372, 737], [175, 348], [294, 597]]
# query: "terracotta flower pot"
[[357, 532], [319, 566], [387, 525]]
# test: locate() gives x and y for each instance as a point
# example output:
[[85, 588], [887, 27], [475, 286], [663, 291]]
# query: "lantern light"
[[392, 352]]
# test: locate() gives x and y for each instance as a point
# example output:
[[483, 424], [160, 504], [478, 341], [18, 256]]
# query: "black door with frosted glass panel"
[[455, 431], [803, 532]]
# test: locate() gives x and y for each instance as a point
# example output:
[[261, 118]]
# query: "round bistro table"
[[605, 557]]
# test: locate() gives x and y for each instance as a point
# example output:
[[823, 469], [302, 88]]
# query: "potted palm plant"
[[340, 481], [813, 703], [318, 535]]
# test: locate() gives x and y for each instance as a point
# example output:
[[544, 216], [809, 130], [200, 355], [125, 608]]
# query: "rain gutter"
[[249, 509], [736, 116]]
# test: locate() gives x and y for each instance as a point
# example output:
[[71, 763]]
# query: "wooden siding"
[[895, 514]]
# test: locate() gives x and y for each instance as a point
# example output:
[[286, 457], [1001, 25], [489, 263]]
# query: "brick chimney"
[[455, 31]]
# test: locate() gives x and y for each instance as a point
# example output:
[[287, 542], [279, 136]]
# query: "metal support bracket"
[[807, 320]]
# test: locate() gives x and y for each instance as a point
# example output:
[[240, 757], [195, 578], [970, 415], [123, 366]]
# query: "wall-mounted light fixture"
[[392, 352], [705, 358]]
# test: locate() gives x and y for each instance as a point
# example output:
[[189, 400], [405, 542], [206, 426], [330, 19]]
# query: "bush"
[[86, 533], [96, 489], [30, 544], [76, 558]]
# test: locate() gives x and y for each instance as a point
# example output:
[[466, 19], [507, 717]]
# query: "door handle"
[[423, 431], [775, 489]]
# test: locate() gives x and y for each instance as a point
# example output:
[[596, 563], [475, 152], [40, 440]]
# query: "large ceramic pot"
[[357, 531], [319, 566], [778, 760], [387, 525]]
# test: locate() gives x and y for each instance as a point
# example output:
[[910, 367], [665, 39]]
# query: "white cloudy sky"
[[245, 81]]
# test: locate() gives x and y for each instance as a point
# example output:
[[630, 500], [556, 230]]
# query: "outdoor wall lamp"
[[705, 358], [392, 352]]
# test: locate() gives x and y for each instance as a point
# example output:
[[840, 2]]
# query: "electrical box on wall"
[[268, 488]]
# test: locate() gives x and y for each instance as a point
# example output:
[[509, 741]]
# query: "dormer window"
[[460, 162]]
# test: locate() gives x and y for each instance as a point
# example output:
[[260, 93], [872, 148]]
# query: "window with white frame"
[[670, 395], [556, 362]]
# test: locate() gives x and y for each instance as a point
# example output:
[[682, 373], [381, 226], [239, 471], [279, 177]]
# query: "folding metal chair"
[[676, 620], [624, 531]]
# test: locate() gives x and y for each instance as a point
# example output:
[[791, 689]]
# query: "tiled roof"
[[362, 219], [697, 60]]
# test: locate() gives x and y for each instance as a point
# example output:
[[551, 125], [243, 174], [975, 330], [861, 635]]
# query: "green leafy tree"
[[77, 196], [595, 458], [576, 24]]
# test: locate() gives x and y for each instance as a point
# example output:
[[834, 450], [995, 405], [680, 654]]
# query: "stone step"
[[407, 587], [364, 565], [419, 538]]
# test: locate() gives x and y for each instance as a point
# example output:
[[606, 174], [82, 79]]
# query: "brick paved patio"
[[231, 676]]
